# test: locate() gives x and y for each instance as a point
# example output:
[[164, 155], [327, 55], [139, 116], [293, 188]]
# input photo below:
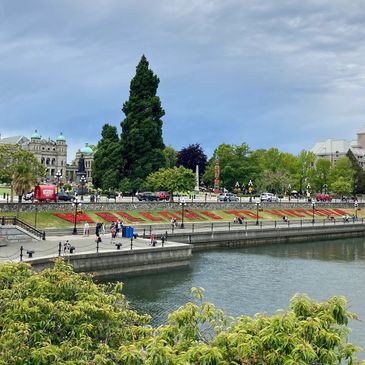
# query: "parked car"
[[148, 196], [227, 197], [62, 195], [163, 195], [323, 198], [28, 196], [268, 197]]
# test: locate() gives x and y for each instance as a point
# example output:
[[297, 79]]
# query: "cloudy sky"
[[269, 73]]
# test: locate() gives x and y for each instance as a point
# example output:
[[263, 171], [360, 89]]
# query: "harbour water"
[[260, 279]]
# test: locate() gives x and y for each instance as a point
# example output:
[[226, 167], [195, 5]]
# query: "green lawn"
[[48, 220]]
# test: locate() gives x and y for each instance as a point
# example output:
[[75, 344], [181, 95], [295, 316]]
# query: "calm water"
[[262, 279]]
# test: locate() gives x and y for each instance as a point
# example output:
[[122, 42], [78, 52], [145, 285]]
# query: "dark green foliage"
[[191, 156], [107, 160], [359, 173], [141, 142]]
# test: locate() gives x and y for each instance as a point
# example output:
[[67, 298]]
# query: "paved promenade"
[[82, 244]]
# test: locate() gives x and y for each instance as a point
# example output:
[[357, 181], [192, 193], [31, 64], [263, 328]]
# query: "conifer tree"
[[107, 163], [141, 141]]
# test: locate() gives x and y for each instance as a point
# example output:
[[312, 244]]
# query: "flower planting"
[[106, 216], [70, 217], [130, 218], [210, 215], [150, 217]]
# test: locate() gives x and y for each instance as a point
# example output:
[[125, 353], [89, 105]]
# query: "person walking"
[[86, 229], [152, 238]]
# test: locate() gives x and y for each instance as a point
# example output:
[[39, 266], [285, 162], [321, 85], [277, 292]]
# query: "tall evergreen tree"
[[141, 142], [107, 163]]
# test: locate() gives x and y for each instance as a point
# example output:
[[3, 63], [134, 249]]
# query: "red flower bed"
[[304, 211], [236, 213], [150, 217], [293, 212], [339, 211], [190, 215], [107, 216], [210, 215], [168, 215], [275, 212], [70, 217], [130, 218], [250, 214]]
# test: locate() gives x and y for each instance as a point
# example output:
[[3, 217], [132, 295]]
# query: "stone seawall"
[[257, 237], [151, 206], [111, 264]]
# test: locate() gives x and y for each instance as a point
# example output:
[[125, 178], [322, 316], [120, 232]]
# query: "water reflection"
[[251, 280]]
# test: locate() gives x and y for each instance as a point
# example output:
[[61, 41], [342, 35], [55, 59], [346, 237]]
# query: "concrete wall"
[[107, 264], [151, 206], [256, 237]]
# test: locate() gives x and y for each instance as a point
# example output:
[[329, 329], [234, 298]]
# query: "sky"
[[270, 73]]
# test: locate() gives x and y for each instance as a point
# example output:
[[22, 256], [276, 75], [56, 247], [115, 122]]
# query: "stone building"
[[52, 154], [333, 149]]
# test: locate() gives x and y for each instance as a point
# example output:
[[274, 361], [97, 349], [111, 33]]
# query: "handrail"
[[17, 222]]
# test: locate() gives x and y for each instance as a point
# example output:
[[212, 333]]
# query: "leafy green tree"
[[359, 174], [170, 156], [321, 176], [235, 166], [141, 141], [59, 317], [342, 186], [343, 173], [6, 162], [106, 166], [176, 179], [305, 170], [192, 156]]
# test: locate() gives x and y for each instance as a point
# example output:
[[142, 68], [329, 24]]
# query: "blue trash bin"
[[129, 232]]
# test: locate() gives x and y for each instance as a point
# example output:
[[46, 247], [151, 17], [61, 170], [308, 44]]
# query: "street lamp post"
[[356, 206], [58, 176], [257, 213], [82, 182], [313, 205], [182, 203], [325, 188], [308, 192], [250, 184], [289, 191], [75, 203]]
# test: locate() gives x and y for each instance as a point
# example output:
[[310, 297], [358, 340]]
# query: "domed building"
[[52, 154], [83, 161]]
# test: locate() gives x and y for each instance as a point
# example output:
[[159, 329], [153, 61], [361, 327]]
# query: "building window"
[[47, 161]]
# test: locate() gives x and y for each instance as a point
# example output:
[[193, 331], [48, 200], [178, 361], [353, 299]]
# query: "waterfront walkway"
[[54, 244]]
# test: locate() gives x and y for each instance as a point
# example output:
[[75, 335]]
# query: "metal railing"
[[17, 222]]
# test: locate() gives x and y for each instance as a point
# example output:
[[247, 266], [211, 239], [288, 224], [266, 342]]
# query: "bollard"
[[163, 240], [212, 226], [59, 248], [30, 253], [245, 225], [131, 243], [21, 253], [275, 224], [97, 245], [229, 226], [43, 236], [144, 232], [166, 236], [260, 224], [150, 229], [192, 227]]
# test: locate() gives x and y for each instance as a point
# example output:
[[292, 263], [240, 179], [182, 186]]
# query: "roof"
[[86, 150], [336, 146], [61, 137], [14, 140], [35, 135]]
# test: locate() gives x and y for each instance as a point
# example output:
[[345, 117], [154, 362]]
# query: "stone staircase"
[[11, 233]]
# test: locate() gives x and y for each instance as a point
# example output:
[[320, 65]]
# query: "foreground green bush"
[[60, 317]]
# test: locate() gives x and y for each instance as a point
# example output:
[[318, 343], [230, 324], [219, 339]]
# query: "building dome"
[[86, 150], [61, 138], [35, 135]]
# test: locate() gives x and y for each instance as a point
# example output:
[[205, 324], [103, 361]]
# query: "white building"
[[333, 149]]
